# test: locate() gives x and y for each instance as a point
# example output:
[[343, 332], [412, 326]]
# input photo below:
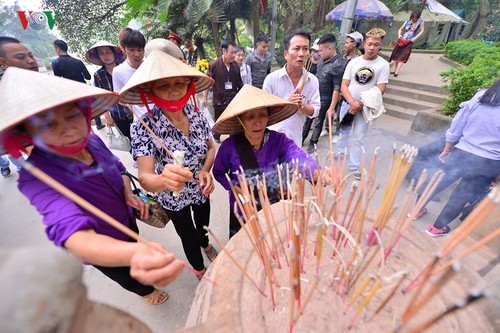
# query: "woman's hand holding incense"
[[175, 176]]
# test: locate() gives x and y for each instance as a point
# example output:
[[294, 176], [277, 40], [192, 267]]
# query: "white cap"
[[356, 36], [315, 45]]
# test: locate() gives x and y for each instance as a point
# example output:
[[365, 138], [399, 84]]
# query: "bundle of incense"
[[261, 242], [475, 218], [468, 251], [402, 165], [415, 307], [376, 286], [471, 298], [267, 216]]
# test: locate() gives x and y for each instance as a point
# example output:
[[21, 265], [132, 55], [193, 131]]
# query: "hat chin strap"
[[169, 106], [14, 143]]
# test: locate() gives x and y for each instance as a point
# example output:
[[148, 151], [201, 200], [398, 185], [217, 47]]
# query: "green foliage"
[[483, 70], [39, 42], [83, 23], [464, 51]]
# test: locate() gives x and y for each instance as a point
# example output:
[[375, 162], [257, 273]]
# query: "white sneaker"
[[335, 139], [323, 133]]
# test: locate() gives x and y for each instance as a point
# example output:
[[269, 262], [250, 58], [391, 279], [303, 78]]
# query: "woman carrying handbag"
[[174, 125]]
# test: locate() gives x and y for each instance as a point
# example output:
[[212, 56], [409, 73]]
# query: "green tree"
[[83, 23], [39, 42]]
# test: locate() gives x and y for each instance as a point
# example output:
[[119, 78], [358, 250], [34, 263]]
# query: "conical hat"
[[163, 45], [250, 98], [92, 57], [159, 65], [26, 93]]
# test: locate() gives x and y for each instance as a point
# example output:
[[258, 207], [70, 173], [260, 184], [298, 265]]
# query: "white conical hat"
[[159, 65], [92, 56], [26, 93], [250, 98]]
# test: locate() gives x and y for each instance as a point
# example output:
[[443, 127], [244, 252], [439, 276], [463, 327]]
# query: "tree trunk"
[[198, 41], [255, 19], [232, 30], [215, 34], [321, 9], [480, 17]]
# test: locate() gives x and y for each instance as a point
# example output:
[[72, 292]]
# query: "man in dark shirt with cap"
[[67, 66]]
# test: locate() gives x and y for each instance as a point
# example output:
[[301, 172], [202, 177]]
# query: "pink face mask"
[[169, 106]]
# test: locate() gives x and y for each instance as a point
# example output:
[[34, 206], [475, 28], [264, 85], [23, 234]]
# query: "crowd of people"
[[148, 91]]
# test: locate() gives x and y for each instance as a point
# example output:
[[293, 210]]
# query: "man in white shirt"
[[361, 74], [294, 83], [132, 42]]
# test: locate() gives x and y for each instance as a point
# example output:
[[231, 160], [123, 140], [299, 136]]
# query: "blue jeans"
[[359, 131], [5, 162]]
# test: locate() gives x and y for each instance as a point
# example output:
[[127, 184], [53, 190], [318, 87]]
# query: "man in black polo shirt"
[[328, 75], [66, 66]]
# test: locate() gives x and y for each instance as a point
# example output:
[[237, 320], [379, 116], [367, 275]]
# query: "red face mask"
[[169, 106], [84, 106]]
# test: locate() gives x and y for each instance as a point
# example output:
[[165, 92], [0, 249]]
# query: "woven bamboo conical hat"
[[250, 98], [92, 56], [159, 65], [26, 93]]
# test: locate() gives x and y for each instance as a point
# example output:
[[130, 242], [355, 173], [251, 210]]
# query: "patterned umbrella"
[[366, 10]]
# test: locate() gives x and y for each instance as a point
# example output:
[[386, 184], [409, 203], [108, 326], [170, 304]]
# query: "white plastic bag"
[[206, 113], [116, 140]]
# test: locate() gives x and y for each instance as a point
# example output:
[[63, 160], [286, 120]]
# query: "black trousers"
[[192, 234], [475, 173], [318, 122], [121, 275], [427, 158]]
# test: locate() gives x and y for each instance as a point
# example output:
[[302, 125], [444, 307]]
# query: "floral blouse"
[[195, 148]]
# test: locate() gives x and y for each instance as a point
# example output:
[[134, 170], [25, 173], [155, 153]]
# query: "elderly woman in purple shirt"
[[471, 153], [58, 124], [253, 146]]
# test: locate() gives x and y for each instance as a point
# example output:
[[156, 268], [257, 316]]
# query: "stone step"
[[400, 82], [399, 112], [417, 94], [410, 103]]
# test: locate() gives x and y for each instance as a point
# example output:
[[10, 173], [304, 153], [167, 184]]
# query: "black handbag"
[[158, 217]]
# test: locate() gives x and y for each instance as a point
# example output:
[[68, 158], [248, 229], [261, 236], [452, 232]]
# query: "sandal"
[[157, 297], [211, 252]]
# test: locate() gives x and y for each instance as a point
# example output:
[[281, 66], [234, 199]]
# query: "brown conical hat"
[[159, 65], [92, 56], [250, 98], [26, 93]]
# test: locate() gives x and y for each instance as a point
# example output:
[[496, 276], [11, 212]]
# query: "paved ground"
[[422, 68], [20, 226]]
